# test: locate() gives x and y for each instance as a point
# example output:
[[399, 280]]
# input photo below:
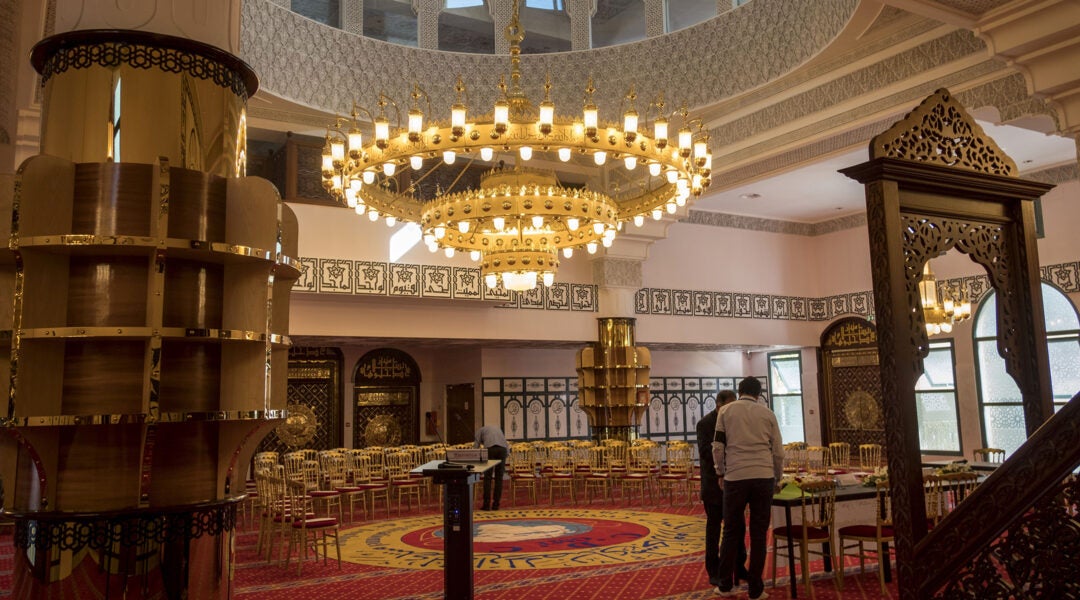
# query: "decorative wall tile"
[[404, 280], [859, 303], [762, 306], [309, 271], [558, 296], [533, 298], [370, 278], [798, 309], [1065, 276], [466, 283], [681, 302], [725, 305], [660, 301], [704, 304], [335, 276], [641, 301], [781, 307], [438, 280], [838, 305], [583, 297], [819, 309], [743, 306]]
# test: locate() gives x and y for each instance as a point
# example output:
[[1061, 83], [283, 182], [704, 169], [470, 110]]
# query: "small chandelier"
[[516, 221], [941, 314]]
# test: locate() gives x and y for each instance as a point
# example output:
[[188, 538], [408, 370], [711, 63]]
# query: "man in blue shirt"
[[492, 438]]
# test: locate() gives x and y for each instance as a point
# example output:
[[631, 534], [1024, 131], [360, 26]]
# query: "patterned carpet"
[[606, 551]]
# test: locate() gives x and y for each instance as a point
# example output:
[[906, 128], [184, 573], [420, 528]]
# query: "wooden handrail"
[[1039, 465]]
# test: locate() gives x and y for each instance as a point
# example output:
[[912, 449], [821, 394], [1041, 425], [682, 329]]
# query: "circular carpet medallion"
[[529, 539]]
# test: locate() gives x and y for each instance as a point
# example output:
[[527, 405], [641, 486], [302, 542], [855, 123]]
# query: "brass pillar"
[[613, 380], [148, 340]]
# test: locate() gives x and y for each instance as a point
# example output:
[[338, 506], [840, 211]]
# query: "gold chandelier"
[[516, 220], [941, 313]]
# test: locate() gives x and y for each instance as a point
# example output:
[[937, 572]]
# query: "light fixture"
[[940, 314], [517, 219]]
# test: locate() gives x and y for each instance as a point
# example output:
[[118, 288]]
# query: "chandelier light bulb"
[[590, 115], [598, 227], [671, 207], [499, 223], [538, 221], [360, 208], [474, 255], [696, 183], [373, 215], [606, 242], [449, 252], [457, 117], [630, 162], [547, 114], [660, 131], [382, 130], [416, 122], [609, 234], [502, 115], [672, 175], [491, 280], [440, 232], [389, 168], [356, 141], [525, 152], [639, 220], [350, 197], [391, 220], [657, 214], [567, 252], [701, 148], [680, 198], [600, 157], [564, 154], [591, 247], [337, 151], [429, 239], [655, 168], [327, 163], [630, 122], [573, 223], [685, 140], [549, 278], [486, 153], [433, 247], [416, 162], [336, 182], [355, 184], [369, 176], [449, 156], [463, 226]]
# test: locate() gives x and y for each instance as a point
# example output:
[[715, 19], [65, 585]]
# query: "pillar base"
[[625, 433]]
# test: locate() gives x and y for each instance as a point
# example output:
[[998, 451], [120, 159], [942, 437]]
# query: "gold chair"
[[840, 454], [674, 477], [313, 480], [638, 474], [522, 470], [817, 459], [336, 466], [598, 477], [869, 456], [398, 465], [994, 455], [795, 457], [934, 495], [561, 473], [308, 530], [877, 535], [957, 487], [373, 489], [818, 508]]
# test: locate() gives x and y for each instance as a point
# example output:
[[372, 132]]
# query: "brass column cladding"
[[132, 96], [110, 199], [613, 380]]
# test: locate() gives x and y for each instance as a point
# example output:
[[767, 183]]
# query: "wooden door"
[[460, 413]]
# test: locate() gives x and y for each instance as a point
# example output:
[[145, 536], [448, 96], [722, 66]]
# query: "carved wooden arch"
[[936, 182]]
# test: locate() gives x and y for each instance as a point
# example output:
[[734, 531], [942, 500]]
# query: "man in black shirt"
[[712, 496]]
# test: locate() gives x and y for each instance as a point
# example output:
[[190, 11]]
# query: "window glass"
[[684, 13], [391, 21], [935, 401], [616, 22], [326, 12], [999, 397], [785, 389]]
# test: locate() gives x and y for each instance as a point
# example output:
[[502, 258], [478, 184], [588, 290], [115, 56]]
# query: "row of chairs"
[[798, 456], [864, 541]]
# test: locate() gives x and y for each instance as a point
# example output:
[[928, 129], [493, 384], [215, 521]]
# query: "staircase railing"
[[1018, 534]]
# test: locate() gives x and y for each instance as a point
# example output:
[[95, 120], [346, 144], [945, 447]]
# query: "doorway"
[[460, 413]]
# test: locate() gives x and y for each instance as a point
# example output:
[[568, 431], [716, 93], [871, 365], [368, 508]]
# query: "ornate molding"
[[618, 272], [715, 219], [939, 131]]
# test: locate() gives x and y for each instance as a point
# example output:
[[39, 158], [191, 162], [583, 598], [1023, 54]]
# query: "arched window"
[[999, 398]]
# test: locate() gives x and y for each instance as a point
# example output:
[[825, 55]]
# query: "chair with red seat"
[[877, 535], [818, 504], [308, 530]]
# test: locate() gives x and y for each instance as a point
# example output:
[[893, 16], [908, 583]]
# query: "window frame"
[[950, 345], [797, 356]]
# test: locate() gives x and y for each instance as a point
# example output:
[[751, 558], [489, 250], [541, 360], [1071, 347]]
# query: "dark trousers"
[[757, 494], [714, 521], [494, 453]]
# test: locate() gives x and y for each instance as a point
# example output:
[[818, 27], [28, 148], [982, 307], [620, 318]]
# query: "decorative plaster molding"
[[1055, 175], [328, 68], [974, 8], [352, 16], [715, 219], [617, 272], [215, 23], [655, 18]]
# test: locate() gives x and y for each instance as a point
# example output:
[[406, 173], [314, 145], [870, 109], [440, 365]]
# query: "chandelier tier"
[[940, 314], [515, 221]]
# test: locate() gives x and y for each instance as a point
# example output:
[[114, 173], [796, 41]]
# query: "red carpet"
[[563, 553]]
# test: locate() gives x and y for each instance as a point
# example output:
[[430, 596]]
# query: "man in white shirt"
[[749, 457]]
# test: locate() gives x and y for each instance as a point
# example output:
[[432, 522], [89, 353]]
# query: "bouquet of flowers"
[[879, 474], [953, 467], [798, 480]]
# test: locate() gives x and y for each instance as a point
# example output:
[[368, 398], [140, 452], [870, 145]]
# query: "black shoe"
[[484, 507], [496, 507], [742, 575]]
